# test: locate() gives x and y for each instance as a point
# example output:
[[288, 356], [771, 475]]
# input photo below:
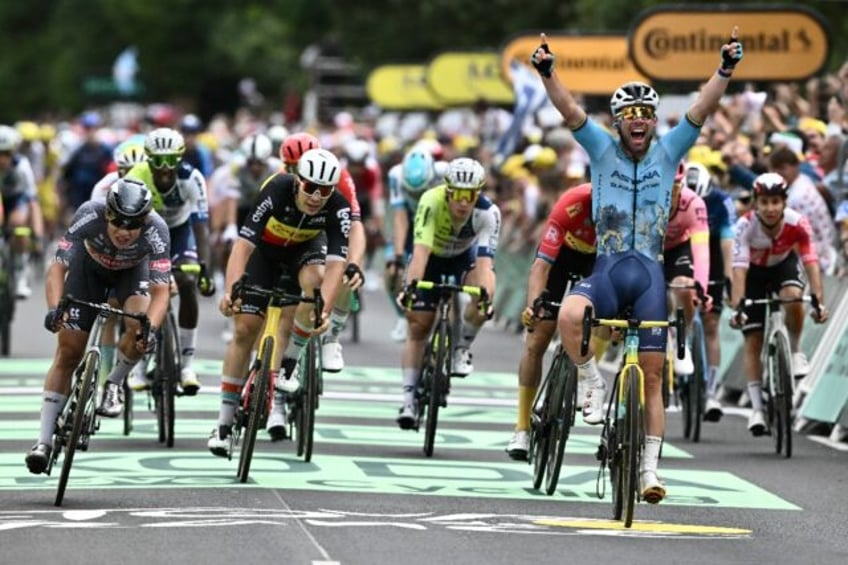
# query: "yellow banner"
[[463, 78], [684, 43], [401, 87], [594, 64]]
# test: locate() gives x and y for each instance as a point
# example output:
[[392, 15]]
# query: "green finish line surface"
[[477, 466], [415, 476]]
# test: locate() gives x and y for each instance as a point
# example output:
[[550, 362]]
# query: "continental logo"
[[683, 43], [590, 64]]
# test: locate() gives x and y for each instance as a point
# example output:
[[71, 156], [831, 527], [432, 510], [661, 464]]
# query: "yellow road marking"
[[653, 527]]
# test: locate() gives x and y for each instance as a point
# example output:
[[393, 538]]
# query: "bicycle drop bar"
[[589, 322], [68, 300], [281, 297]]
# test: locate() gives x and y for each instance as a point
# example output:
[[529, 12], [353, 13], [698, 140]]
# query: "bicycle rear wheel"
[[311, 370], [129, 414], [257, 407], [81, 406], [563, 413], [630, 447], [782, 397], [438, 385], [697, 380], [7, 302]]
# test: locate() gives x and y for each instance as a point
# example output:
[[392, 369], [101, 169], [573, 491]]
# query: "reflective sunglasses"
[[164, 161], [125, 223], [637, 113], [310, 188], [460, 194]]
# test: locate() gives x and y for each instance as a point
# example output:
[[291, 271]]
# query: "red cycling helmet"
[[296, 145]]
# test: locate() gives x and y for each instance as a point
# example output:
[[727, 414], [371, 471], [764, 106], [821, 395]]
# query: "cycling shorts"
[[569, 263], [183, 244], [677, 262], [443, 269], [761, 281]]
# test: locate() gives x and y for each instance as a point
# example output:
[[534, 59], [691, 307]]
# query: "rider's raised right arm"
[[564, 101]]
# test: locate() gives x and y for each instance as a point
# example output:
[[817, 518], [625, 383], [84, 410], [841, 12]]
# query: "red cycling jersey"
[[348, 189], [570, 224], [753, 246]]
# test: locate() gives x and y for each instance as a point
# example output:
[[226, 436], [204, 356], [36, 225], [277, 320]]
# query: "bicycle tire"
[[540, 429], [129, 414], [257, 405], [564, 418], [697, 380], [82, 397], [171, 374], [7, 303], [631, 446], [783, 394], [310, 396], [437, 386]]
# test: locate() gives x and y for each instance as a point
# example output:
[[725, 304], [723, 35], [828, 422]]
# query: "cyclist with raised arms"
[[121, 245], [179, 195], [407, 182], [455, 236], [567, 249], [299, 227], [721, 217], [20, 202], [632, 179], [771, 241]]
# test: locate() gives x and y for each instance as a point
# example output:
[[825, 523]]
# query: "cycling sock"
[[188, 342], [51, 405], [338, 319], [600, 345], [467, 333], [651, 453], [755, 391], [409, 394], [299, 337], [122, 368], [589, 372], [107, 358], [410, 377], [712, 380], [526, 395], [230, 396]]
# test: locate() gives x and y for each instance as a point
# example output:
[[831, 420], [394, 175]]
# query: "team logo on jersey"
[[552, 235], [574, 210]]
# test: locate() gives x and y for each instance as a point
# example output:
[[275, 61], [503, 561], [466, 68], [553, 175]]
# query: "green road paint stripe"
[[325, 433], [414, 475]]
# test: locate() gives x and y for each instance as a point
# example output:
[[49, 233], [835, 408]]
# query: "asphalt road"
[[369, 496]]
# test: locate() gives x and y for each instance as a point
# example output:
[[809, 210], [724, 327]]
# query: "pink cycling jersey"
[[689, 222], [753, 246]]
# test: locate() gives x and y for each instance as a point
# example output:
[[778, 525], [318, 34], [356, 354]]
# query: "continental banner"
[[587, 64], [682, 43], [401, 87], [463, 78]]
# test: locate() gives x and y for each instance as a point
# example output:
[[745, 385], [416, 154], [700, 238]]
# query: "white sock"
[[651, 454], [188, 342], [51, 405], [122, 368], [589, 373], [755, 391]]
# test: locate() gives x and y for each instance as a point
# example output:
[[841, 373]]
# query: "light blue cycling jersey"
[[631, 200]]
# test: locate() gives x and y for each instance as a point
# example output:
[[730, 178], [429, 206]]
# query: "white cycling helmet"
[[9, 138], [357, 150], [164, 141], [698, 179], [256, 147], [319, 166], [277, 134], [633, 94], [126, 155], [465, 173]]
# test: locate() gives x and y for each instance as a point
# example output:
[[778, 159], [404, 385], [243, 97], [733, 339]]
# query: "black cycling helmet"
[[128, 203]]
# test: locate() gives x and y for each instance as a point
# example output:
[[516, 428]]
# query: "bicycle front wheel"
[[563, 419], [257, 406], [631, 446], [540, 419], [80, 413], [170, 377], [782, 397], [438, 385], [311, 372], [697, 380]]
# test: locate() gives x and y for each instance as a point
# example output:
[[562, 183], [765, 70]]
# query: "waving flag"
[[530, 95]]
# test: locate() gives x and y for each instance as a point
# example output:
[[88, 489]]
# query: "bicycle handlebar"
[[68, 300], [589, 322], [467, 289], [696, 286], [240, 288]]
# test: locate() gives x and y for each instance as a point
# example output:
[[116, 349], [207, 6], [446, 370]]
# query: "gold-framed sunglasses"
[[460, 194], [637, 113]]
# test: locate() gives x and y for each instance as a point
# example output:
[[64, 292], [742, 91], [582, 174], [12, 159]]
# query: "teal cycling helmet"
[[417, 171]]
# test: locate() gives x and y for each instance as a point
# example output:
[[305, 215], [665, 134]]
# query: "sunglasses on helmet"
[[311, 188], [638, 113], [164, 161], [125, 223], [460, 194]]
